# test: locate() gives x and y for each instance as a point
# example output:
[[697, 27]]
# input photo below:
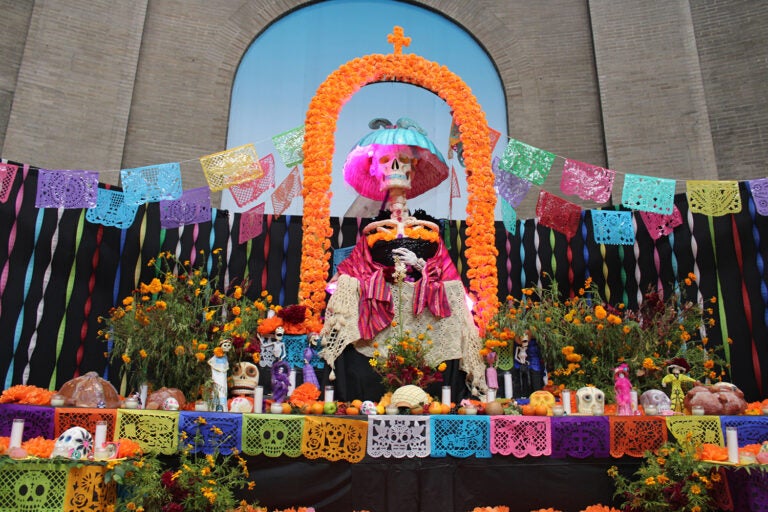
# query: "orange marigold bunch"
[[39, 447], [26, 394]]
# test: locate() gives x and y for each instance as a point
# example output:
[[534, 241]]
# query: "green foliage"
[[673, 479], [583, 338], [167, 329], [195, 482]]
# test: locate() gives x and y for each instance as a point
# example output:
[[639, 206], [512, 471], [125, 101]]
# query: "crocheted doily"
[[453, 337]]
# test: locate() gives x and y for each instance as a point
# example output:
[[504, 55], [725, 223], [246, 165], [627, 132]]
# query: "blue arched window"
[[285, 64]]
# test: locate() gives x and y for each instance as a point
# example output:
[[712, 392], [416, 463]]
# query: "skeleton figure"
[[676, 376], [219, 367], [591, 401], [308, 372]]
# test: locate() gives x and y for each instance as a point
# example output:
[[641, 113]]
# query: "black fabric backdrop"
[[59, 273]]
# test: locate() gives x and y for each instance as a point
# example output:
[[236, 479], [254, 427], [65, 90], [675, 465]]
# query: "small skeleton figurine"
[[677, 370], [308, 372]]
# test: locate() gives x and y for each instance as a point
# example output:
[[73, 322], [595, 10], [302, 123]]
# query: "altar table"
[[420, 463]]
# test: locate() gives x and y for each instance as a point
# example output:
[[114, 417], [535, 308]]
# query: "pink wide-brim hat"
[[361, 169]]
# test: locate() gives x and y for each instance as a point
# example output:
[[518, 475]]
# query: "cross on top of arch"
[[398, 40]]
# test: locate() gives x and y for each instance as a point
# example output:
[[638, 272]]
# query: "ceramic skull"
[[245, 378], [73, 443], [656, 397], [590, 401], [368, 407], [170, 404], [394, 167], [543, 398]]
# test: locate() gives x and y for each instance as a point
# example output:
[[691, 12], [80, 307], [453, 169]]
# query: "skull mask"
[[394, 167], [245, 377], [74, 443], [591, 401], [656, 397]]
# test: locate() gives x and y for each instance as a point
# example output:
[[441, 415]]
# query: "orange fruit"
[[446, 408], [528, 410], [356, 403], [435, 408], [316, 408], [287, 409], [540, 410], [352, 410]]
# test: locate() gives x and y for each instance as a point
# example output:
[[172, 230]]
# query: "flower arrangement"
[[582, 338], [674, 479], [167, 329], [197, 482], [404, 358], [318, 149]]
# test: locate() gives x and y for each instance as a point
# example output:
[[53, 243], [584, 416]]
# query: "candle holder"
[[17, 433]]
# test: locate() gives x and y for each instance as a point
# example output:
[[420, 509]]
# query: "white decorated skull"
[[394, 167], [656, 397], [73, 443], [245, 378], [368, 407], [170, 404], [590, 401], [240, 404]]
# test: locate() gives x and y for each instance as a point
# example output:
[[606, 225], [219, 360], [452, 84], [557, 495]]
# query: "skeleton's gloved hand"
[[408, 257]]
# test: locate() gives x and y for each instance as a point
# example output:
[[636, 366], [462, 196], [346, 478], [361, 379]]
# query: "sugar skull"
[[368, 407], [656, 397], [170, 404], [73, 443], [245, 378], [240, 404], [543, 398], [590, 401]]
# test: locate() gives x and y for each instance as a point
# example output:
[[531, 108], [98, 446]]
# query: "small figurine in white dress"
[[219, 364]]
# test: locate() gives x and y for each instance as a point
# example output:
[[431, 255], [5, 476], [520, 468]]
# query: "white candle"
[[291, 381], [17, 433], [566, 394], [491, 395], [732, 442], [258, 400], [328, 397], [633, 400], [100, 435], [508, 385], [446, 397]]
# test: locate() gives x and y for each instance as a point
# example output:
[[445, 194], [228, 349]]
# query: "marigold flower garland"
[[320, 125]]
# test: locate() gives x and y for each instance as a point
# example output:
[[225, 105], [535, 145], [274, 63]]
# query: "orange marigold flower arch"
[[320, 127]]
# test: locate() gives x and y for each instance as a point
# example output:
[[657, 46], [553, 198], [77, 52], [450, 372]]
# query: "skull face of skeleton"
[[394, 167], [73, 443], [226, 345], [245, 378], [656, 397], [590, 401], [279, 332]]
